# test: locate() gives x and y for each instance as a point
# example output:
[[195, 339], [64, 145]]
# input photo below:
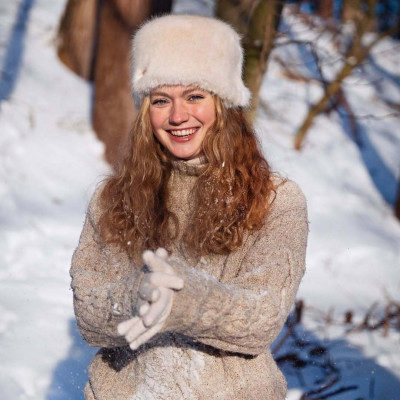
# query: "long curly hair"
[[236, 181]]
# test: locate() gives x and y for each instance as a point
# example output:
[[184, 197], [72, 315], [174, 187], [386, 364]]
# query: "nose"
[[178, 113]]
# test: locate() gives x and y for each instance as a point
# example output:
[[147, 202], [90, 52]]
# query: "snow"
[[51, 161]]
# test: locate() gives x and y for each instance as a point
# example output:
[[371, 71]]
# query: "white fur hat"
[[189, 50]]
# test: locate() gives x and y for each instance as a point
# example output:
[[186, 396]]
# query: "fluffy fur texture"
[[189, 50]]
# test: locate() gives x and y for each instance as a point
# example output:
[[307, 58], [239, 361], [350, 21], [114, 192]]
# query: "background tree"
[[76, 36], [94, 41], [324, 8], [258, 22], [366, 23], [363, 14]]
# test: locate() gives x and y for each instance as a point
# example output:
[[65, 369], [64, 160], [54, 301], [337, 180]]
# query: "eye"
[[196, 97], [158, 102]]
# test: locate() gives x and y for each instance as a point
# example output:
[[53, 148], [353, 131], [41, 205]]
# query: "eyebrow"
[[184, 93], [158, 93], [194, 89]]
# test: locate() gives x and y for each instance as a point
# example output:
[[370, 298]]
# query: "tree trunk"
[[113, 108], [258, 23], [350, 8], [132, 12], [104, 56], [236, 12], [258, 45], [397, 205], [76, 36], [325, 8]]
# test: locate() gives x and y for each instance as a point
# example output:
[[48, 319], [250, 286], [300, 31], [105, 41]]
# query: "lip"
[[182, 135]]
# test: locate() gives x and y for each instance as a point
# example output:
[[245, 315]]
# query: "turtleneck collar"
[[192, 167]]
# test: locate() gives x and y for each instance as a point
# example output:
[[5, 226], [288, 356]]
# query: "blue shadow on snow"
[[13, 58], [70, 375], [331, 369], [382, 177]]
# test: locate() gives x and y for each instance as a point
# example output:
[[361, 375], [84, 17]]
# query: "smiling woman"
[[191, 254], [181, 116]]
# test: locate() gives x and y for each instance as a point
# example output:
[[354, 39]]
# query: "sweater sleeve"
[[246, 314], [101, 299]]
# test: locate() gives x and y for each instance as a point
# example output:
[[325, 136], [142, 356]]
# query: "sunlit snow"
[[51, 161]]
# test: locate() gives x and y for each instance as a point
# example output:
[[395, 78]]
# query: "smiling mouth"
[[182, 132]]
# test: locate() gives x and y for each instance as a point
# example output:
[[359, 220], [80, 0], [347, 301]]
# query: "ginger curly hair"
[[236, 180]]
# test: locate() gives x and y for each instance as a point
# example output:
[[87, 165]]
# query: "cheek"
[[207, 115], [156, 119]]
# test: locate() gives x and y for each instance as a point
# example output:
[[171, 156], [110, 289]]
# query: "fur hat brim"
[[189, 50]]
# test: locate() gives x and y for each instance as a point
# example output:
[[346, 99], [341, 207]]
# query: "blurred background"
[[325, 79]]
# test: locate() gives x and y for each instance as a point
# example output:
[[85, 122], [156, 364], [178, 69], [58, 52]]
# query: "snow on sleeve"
[[246, 314], [104, 284]]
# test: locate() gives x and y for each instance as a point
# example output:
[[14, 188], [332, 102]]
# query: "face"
[[180, 117]]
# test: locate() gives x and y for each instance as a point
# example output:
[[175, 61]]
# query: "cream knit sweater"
[[215, 343]]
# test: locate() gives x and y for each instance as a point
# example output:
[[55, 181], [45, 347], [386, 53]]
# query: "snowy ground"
[[50, 162]]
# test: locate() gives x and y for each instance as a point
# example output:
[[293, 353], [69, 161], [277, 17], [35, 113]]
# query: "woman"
[[191, 256]]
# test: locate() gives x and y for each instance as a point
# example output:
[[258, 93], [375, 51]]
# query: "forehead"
[[175, 90]]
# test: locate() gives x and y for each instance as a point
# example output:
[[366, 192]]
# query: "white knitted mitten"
[[155, 299]]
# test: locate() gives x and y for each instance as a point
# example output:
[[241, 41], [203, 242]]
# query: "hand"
[[155, 299], [153, 294]]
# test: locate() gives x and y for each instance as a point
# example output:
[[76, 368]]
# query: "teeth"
[[183, 132]]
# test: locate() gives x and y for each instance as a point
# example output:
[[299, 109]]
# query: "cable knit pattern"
[[215, 343]]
